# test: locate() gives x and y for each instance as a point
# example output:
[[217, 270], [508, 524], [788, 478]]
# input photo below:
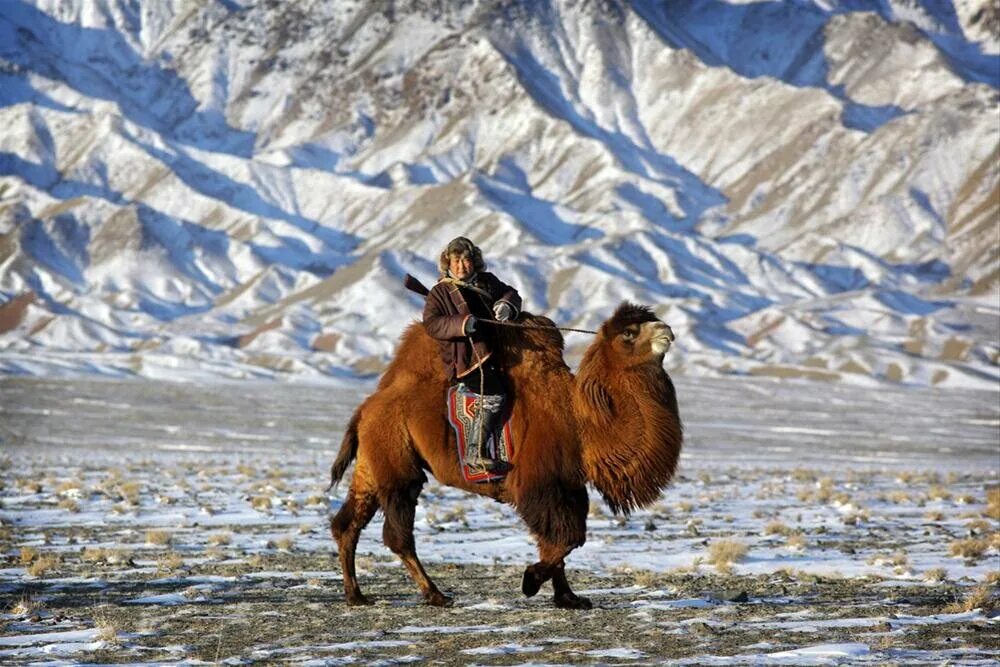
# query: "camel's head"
[[637, 335], [626, 409]]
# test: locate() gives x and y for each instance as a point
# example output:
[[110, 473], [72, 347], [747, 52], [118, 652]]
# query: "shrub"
[[170, 561], [723, 553], [158, 538], [777, 528], [935, 575], [43, 564], [219, 539], [980, 597], [971, 548], [796, 542]]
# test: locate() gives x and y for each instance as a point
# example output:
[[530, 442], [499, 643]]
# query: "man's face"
[[460, 266]]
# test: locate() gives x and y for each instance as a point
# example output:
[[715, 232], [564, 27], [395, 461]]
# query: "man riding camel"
[[466, 294]]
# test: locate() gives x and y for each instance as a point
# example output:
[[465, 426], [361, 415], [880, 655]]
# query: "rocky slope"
[[236, 188]]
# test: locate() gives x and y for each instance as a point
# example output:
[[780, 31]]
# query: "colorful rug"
[[461, 415]]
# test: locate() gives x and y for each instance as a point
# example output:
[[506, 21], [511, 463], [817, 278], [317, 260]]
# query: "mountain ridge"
[[178, 178]]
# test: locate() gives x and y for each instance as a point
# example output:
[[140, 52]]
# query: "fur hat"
[[464, 247]]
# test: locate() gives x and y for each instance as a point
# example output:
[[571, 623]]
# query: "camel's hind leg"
[[552, 566], [346, 527], [399, 505]]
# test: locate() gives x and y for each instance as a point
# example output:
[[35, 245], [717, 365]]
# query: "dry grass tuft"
[[824, 490], [993, 577], [315, 500], [802, 475], [25, 607], [73, 487], [856, 516], [258, 562], [898, 560], [106, 626], [796, 542], [285, 543], [777, 528], [978, 526], [69, 505], [29, 486], [215, 553], [128, 492], [261, 503], [935, 575], [934, 516], [102, 555], [723, 553], [170, 561], [981, 597], [219, 539], [646, 578], [94, 555], [971, 548], [43, 564], [841, 498], [158, 538], [992, 503], [898, 497], [28, 554], [938, 492]]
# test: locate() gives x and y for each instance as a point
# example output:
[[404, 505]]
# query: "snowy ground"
[[152, 522]]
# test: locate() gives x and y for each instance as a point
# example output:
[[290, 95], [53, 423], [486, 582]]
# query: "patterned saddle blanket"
[[461, 415]]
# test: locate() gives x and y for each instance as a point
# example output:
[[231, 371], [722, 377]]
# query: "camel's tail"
[[348, 451]]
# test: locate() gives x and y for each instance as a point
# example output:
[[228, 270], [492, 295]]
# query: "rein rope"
[[518, 325]]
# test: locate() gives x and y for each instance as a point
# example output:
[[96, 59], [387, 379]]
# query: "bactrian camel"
[[614, 424]]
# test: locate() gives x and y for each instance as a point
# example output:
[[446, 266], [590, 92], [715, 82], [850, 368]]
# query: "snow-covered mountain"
[[803, 188]]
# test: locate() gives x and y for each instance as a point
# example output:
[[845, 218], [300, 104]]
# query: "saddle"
[[461, 416]]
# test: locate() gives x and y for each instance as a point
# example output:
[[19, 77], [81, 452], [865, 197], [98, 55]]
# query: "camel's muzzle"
[[662, 337]]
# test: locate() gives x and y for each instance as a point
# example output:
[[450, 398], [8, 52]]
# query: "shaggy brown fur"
[[615, 424]]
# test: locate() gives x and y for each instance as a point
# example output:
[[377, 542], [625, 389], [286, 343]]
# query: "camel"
[[614, 424]]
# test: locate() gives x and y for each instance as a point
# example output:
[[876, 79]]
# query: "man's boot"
[[488, 409]]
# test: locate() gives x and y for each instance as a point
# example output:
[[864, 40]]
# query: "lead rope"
[[518, 325]]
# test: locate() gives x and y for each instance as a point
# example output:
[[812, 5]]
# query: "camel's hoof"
[[531, 583], [358, 600], [438, 599], [573, 601]]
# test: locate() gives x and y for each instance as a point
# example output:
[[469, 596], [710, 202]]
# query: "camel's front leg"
[[399, 506], [564, 596], [551, 565]]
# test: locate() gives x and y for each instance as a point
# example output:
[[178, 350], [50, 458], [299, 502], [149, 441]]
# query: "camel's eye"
[[629, 335]]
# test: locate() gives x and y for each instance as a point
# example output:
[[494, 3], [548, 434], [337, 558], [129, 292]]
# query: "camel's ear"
[[598, 398]]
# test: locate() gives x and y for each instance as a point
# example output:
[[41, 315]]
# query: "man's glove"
[[503, 311], [470, 325]]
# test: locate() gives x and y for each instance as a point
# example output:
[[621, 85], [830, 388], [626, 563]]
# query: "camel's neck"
[[630, 430]]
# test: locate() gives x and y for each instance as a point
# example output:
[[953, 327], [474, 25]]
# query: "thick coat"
[[446, 311]]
